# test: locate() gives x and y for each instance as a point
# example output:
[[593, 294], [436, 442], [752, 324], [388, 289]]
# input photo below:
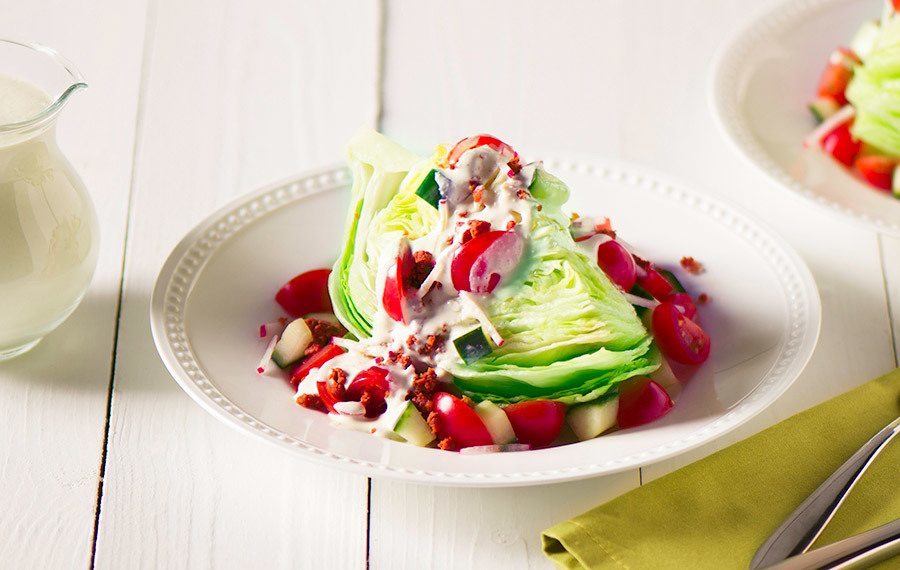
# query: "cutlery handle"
[[805, 524], [860, 551]]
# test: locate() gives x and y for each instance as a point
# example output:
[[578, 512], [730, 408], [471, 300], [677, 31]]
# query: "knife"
[[805, 524], [860, 551]]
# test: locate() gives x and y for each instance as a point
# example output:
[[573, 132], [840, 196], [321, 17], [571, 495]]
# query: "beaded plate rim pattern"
[[185, 263], [723, 86]]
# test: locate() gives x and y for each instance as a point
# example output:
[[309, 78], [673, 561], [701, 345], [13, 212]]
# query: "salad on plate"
[[858, 103], [468, 312]]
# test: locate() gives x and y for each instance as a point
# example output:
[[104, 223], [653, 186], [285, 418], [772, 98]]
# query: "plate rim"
[[721, 95], [178, 274]]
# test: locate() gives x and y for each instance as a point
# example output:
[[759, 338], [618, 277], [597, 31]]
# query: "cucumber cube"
[[590, 420], [293, 343], [412, 427], [428, 190], [496, 422]]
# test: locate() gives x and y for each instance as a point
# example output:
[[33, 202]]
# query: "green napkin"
[[716, 512]]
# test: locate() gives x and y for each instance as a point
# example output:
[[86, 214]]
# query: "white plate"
[[760, 89], [218, 283]]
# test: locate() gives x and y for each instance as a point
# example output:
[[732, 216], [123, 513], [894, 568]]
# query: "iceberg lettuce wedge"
[[569, 333]]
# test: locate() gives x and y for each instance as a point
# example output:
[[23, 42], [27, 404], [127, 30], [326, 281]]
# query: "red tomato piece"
[[483, 261], [834, 81], [306, 293], [396, 294], [315, 360], [877, 170], [641, 401], [678, 337], [536, 422], [326, 397], [459, 422], [840, 144], [618, 264]]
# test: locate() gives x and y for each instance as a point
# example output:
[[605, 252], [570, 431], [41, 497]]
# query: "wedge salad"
[[467, 311], [858, 103]]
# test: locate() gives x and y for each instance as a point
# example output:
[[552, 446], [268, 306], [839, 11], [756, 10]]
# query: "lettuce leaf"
[[570, 334], [875, 92]]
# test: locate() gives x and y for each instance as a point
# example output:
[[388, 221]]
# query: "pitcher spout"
[[36, 82]]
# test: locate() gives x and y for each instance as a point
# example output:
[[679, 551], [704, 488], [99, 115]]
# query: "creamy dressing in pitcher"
[[20, 100], [48, 248]]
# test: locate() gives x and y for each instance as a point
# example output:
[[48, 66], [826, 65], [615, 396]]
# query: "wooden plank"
[[523, 82], [415, 526], [679, 135], [584, 76], [235, 97], [53, 401]]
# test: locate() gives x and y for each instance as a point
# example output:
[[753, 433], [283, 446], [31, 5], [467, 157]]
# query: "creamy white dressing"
[[438, 309]]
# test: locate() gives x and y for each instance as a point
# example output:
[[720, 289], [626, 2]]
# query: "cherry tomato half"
[[641, 401], [618, 264], [306, 293], [536, 422], [678, 337], [483, 261], [459, 422], [877, 170], [476, 141], [840, 144]]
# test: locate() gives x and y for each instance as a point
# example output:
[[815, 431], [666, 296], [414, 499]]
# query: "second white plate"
[[760, 88], [217, 286]]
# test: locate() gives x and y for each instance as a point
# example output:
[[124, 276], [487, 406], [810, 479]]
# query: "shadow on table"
[[79, 354]]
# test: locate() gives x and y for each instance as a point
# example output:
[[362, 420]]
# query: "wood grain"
[[234, 97], [584, 77], [414, 526], [228, 96], [53, 401]]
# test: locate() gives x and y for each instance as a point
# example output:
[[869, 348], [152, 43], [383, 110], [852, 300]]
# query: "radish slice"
[[640, 301], [272, 328], [482, 449], [515, 447], [482, 262], [265, 363], [846, 113], [499, 260], [350, 408], [472, 305]]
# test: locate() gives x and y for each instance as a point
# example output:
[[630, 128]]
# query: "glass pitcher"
[[48, 228]]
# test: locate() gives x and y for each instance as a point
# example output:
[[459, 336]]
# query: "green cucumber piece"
[[293, 342], [428, 190], [673, 281], [473, 345], [496, 422], [823, 107], [590, 420], [412, 427]]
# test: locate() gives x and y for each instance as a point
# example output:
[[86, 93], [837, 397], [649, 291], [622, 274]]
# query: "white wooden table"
[[105, 462]]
